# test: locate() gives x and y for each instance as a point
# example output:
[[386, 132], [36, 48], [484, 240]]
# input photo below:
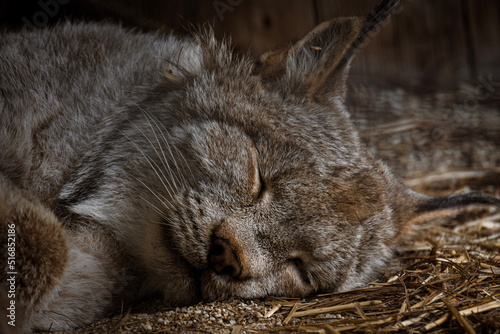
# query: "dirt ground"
[[449, 279]]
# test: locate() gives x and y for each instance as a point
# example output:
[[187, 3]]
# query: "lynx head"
[[260, 183]]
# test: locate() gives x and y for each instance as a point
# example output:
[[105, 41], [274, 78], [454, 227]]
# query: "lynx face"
[[275, 213]]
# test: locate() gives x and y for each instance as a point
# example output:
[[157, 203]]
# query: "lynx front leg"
[[93, 282], [52, 277], [33, 254]]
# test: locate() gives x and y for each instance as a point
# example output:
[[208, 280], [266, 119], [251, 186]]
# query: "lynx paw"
[[33, 251]]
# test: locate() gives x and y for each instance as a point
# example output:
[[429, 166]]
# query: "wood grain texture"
[[261, 25], [428, 44], [485, 36], [421, 44]]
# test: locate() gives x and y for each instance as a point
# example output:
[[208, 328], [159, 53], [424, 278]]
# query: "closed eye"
[[255, 176], [258, 187], [262, 186], [302, 270]]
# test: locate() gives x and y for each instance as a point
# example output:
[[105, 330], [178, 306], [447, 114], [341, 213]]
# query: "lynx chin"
[[135, 163]]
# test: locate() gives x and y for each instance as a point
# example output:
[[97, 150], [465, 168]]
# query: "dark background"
[[427, 44]]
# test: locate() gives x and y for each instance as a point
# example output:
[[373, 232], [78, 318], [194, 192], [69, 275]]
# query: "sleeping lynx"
[[133, 163]]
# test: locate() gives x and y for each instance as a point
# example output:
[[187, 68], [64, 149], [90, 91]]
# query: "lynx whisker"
[[162, 157], [178, 176], [183, 158], [157, 170], [165, 202], [165, 218], [157, 195], [163, 161], [167, 143], [181, 178]]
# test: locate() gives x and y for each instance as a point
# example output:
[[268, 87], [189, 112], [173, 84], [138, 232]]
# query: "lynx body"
[[134, 163]]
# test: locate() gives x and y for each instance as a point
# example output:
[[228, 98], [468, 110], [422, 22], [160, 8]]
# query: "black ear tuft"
[[456, 201], [316, 66], [378, 15]]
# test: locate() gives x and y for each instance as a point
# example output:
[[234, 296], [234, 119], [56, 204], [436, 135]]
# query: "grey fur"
[[148, 148]]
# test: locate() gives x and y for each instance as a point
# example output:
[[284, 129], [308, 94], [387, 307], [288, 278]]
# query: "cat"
[[133, 163]]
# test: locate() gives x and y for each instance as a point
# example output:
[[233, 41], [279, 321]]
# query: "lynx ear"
[[316, 66]]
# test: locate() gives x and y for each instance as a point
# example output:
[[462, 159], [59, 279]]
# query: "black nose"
[[223, 259]]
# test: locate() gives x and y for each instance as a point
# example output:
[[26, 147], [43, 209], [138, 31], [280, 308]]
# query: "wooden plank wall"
[[428, 44]]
